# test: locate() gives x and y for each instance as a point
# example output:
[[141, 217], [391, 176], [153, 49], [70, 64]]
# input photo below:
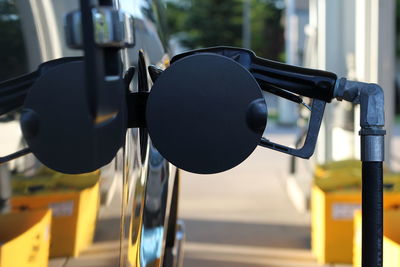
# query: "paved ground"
[[243, 217]]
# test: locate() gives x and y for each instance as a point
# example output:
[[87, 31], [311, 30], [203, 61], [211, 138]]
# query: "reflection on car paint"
[[151, 247], [156, 199], [146, 179]]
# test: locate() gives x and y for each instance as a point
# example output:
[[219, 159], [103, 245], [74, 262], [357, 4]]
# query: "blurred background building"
[[356, 39], [352, 38], [240, 216]]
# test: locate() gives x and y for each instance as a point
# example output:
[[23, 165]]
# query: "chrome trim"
[[112, 28], [180, 238]]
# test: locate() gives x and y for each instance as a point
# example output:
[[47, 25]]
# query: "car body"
[[139, 188]]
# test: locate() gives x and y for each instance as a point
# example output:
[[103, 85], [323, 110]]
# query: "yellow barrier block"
[[74, 200], [391, 238], [332, 223], [25, 238], [357, 239], [335, 195]]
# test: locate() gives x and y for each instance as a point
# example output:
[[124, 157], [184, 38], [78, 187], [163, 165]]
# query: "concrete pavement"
[[243, 217]]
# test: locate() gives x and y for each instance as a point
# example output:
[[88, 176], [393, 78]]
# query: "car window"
[[12, 48]]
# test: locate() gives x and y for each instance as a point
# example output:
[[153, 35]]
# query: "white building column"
[[354, 39], [296, 16], [332, 23], [375, 53]]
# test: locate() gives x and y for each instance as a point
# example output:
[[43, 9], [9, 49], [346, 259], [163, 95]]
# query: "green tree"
[[398, 28], [267, 30], [204, 23]]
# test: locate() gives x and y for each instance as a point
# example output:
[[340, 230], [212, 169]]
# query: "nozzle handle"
[[311, 83]]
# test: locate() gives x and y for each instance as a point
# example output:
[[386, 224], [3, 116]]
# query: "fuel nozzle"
[[206, 112], [286, 81]]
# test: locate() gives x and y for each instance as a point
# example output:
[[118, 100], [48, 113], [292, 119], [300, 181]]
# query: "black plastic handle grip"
[[311, 83]]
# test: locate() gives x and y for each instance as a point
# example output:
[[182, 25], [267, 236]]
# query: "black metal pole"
[[372, 214]]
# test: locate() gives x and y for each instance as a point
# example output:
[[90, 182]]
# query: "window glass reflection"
[[12, 49]]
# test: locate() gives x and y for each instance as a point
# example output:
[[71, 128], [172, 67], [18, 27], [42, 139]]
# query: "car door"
[[137, 186]]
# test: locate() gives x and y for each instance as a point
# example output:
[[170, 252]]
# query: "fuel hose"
[[372, 213]]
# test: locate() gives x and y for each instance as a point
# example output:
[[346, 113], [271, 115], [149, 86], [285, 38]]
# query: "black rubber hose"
[[372, 214], [13, 92]]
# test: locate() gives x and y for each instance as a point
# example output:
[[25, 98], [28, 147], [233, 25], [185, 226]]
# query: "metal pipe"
[[372, 121]]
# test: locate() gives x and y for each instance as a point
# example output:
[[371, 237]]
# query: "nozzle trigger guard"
[[307, 150]]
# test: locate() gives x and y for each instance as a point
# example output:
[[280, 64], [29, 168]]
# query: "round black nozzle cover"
[[200, 113]]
